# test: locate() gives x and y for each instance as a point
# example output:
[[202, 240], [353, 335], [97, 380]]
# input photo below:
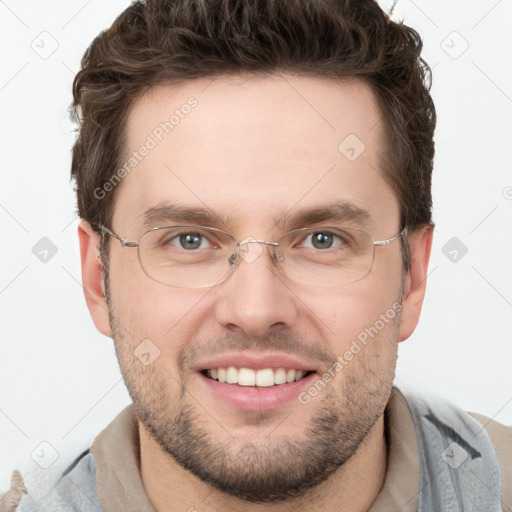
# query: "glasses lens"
[[326, 256], [186, 256], [196, 257]]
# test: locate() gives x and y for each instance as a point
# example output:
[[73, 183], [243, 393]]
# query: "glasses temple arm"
[[389, 240]]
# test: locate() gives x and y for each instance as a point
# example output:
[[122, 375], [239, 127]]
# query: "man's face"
[[253, 151]]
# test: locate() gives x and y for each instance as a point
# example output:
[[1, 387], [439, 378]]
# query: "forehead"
[[253, 150]]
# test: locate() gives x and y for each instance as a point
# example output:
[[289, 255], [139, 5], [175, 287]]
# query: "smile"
[[265, 377]]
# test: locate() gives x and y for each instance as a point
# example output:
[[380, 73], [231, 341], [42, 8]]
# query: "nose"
[[256, 297]]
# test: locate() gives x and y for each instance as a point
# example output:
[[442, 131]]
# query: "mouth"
[[256, 378], [250, 381]]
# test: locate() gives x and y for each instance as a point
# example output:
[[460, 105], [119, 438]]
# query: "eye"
[[324, 240], [189, 241]]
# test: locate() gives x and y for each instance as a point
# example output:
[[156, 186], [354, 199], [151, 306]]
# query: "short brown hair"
[[167, 41]]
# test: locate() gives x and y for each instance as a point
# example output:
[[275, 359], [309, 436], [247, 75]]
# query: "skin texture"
[[255, 149]]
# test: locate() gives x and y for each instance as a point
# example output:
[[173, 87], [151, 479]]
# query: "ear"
[[420, 243], [93, 277]]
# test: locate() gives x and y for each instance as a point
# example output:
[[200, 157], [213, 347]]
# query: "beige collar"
[[401, 487]]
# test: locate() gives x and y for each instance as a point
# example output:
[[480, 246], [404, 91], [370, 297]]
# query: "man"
[[253, 180]]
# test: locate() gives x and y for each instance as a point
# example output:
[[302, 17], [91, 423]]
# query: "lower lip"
[[248, 398]]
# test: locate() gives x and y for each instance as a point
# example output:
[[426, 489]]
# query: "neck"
[[353, 488]]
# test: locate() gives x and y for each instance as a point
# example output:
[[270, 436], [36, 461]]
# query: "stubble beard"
[[274, 468]]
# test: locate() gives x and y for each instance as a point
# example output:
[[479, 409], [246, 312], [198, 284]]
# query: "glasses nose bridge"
[[251, 240], [237, 255]]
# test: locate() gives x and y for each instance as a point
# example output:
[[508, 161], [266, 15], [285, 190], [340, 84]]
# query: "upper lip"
[[256, 361]]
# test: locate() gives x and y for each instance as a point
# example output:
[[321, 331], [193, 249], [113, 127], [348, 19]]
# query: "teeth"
[[280, 376], [232, 375], [248, 377], [265, 378]]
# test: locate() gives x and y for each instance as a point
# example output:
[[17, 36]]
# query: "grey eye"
[[187, 241], [322, 240]]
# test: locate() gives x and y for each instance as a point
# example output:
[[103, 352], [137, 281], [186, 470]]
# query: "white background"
[[59, 379]]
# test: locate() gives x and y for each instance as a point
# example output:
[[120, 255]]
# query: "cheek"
[[168, 317], [360, 325], [346, 313], [366, 347], [155, 325]]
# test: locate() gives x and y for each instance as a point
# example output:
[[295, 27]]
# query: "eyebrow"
[[340, 211], [171, 212]]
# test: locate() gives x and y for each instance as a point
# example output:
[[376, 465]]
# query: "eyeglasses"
[[200, 256]]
